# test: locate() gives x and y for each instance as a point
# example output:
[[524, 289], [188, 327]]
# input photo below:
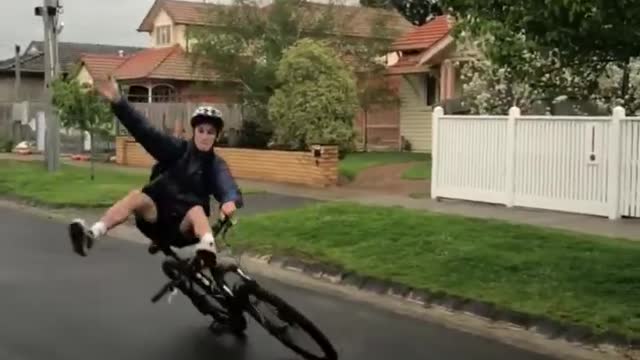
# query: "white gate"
[[630, 168], [577, 164]]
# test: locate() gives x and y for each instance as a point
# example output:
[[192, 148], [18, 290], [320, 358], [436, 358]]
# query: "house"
[[32, 66], [32, 79], [426, 77], [154, 75], [163, 72]]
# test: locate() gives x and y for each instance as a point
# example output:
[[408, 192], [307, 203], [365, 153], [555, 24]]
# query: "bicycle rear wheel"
[[288, 318]]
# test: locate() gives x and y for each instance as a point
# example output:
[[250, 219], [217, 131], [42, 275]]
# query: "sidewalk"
[[625, 228]]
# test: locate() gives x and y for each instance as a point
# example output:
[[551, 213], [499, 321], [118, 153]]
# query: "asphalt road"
[[56, 305]]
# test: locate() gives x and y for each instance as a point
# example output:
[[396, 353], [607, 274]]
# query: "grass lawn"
[[421, 171], [71, 186], [587, 280], [354, 163]]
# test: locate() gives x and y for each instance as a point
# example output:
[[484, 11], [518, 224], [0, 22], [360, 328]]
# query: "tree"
[[418, 11], [365, 57], [586, 36], [246, 42], [317, 99], [534, 76], [80, 107]]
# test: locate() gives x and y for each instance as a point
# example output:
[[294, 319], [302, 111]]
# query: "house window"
[[163, 93], [138, 94], [163, 35], [432, 89]]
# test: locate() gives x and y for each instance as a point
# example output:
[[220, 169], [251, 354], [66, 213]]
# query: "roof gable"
[[350, 20], [180, 12], [162, 63], [425, 36], [100, 66]]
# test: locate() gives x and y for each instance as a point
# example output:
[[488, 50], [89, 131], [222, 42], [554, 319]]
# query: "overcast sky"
[[93, 21]]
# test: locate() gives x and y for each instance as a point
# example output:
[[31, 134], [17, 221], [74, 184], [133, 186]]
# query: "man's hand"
[[108, 89], [228, 208]]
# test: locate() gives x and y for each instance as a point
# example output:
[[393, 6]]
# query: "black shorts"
[[166, 229]]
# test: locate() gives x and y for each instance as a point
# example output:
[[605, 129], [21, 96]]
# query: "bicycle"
[[235, 302]]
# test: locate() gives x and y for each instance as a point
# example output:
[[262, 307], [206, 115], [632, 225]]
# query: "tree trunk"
[[624, 89], [91, 140], [365, 126]]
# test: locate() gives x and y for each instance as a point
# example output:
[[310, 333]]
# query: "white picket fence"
[[588, 165]]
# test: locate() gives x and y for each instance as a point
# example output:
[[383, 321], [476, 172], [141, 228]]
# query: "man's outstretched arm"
[[159, 145]]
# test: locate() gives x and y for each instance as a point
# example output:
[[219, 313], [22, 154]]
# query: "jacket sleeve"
[[159, 145], [225, 188]]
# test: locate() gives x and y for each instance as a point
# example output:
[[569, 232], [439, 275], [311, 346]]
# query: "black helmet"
[[208, 115]]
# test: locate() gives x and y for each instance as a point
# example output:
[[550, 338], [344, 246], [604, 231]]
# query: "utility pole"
[[16, 130], [49, 12]]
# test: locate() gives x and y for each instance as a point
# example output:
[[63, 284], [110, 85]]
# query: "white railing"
[[566, 163]]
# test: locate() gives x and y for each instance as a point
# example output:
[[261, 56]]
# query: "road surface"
[[56, 305]]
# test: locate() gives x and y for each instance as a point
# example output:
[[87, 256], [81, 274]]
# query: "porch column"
[[444, 80], [150, 88], [451, 80]]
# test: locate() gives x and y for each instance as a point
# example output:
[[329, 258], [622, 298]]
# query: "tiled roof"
[[407, 65], [185, 12], [350, 20], [163, 63], [32, 60], [100, 66], [425, 36]]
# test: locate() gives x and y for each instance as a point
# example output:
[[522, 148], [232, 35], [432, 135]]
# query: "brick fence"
[[318, 169]]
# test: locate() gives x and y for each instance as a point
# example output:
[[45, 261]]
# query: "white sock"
[[207, 242], [98, 229]]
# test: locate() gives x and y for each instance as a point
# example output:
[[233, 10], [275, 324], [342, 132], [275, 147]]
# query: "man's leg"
[[136, 202], [196, 222]]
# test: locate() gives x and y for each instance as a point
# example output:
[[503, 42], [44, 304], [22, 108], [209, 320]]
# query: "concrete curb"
[[546, 326]]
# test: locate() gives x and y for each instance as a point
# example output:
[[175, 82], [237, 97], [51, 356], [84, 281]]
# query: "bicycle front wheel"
[[286, 323]]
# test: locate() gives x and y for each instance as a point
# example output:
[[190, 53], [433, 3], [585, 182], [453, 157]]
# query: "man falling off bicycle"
[[174, 205]]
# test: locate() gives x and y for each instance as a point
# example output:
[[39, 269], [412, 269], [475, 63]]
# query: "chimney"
[[121, 53]]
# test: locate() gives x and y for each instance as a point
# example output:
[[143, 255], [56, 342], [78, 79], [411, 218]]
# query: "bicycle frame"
[[189, 272]]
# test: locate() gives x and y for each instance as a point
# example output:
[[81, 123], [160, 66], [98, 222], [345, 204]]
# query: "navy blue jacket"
[[170, 152]]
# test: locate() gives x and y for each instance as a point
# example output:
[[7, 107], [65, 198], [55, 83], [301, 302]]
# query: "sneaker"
[[81, 238], [206, 251]]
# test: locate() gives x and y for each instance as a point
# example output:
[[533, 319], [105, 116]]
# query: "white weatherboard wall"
[[415, 115], [575, 164]]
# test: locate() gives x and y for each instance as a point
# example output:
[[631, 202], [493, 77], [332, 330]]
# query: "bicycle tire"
[[292, 315], [172, 270]]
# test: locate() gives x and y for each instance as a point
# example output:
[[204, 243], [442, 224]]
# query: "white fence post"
[[510, 182], [437, 114], [614, 169]]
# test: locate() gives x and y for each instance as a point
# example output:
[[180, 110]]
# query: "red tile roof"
[[425, 36], [350, 20], [100, 66], [186, 12], [162, 63], [406, 65]]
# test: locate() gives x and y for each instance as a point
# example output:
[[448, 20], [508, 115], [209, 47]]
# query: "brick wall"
[[295, 167]]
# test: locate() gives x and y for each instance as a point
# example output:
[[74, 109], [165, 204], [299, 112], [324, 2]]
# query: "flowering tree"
[[588, 48], [534, 74]]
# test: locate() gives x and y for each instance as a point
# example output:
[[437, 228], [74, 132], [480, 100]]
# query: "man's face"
[[204, 136]]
